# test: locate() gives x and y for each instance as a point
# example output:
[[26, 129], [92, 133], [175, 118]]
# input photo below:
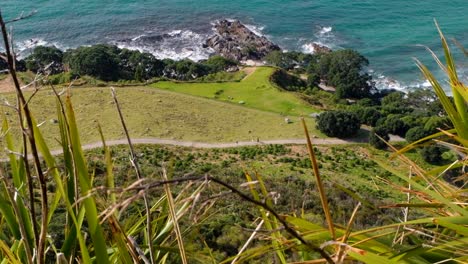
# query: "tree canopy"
[[42, 57], [100, 61], [374, 139], [338, 123], [344, 69]]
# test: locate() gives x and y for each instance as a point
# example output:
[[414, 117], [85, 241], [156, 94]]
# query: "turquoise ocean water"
[[389, 33]]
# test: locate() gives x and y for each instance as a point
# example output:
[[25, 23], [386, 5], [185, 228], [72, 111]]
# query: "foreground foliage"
[[141, 221]]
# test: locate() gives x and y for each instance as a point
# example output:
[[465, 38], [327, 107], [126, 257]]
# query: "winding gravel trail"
[[204, 145]]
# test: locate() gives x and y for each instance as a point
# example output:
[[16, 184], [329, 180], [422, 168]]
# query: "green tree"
[[132, 60], [287, 81], [100, 61], [424, 101], [433, 154], [139, 73], [433, 123], [313, 80], [395, 125], [291, 60], [395, 103], [374, 139], [416, 133], [343, 69], [219, 63], [367, 115], [42, 57], [338, 124], [185, 69]]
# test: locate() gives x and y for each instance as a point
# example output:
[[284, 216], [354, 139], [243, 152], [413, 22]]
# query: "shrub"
[[140, 66], [432, 154], [287, 81], [291, 60], [338, 123], [368, 115], [185, 69], [100, 61], [219, 63], [416, 133], [343, 69], [43, 56], [375, 141], [395, 125]]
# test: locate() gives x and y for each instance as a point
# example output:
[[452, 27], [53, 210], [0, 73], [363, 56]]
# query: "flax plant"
[[439, 236]]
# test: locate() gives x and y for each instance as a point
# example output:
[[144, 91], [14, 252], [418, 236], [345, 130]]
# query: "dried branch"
[[28, 132], [134, 162], [21, 17], [245, 197]]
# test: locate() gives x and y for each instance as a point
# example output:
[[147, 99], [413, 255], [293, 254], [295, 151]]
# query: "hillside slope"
[[162, 114], [254, 91]]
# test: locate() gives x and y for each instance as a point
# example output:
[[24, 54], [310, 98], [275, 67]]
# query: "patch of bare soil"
[[6, 85], [248, 71]]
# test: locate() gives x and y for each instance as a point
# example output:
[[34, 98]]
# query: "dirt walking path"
[[204, 145]]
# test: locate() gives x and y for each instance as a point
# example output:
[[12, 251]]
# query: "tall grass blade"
[[72, 236], [100, 248], [460, 103], [10, 256], [267, 221], [110, 183], [323, 197], [172, 210]]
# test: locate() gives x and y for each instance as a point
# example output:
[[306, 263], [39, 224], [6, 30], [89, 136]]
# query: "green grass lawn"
[[157, 113], [255, 91]]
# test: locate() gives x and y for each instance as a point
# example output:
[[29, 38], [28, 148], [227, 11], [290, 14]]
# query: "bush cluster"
[[110, 63]]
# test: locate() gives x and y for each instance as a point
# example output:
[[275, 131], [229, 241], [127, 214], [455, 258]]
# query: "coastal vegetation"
[[156, 204]]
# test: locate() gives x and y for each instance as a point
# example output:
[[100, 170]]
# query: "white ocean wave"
[[383, 82], [258, 30], [175, 44], [325, 30], [309, 47], [25, 47]]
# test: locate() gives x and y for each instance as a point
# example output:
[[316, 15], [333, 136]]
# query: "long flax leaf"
[[50, 161], [453, 114], [274, 223], [267, 220], [18, 175], [323, 197], [100, 248], [460, 103], [10, 256], [172, 210]]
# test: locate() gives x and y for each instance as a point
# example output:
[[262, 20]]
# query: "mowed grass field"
[[153, 113], [255, 91]]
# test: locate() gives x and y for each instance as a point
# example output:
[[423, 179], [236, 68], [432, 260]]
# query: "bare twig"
[[29, 133], [252, 236], [21, 17], [133, 160], [147, 187]]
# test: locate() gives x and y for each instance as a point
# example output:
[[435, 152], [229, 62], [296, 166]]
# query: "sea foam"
[[175, 44]]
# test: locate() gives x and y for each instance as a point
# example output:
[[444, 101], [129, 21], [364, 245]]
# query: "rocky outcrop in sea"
[[235, 41]]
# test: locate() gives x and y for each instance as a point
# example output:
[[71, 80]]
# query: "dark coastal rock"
[[319, 49], [235, 41]]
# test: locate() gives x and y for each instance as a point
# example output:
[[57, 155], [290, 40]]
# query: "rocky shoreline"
[[234, 40]]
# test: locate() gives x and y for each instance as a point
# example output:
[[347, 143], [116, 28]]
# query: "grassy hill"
[[162, 114], [255, 91]]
